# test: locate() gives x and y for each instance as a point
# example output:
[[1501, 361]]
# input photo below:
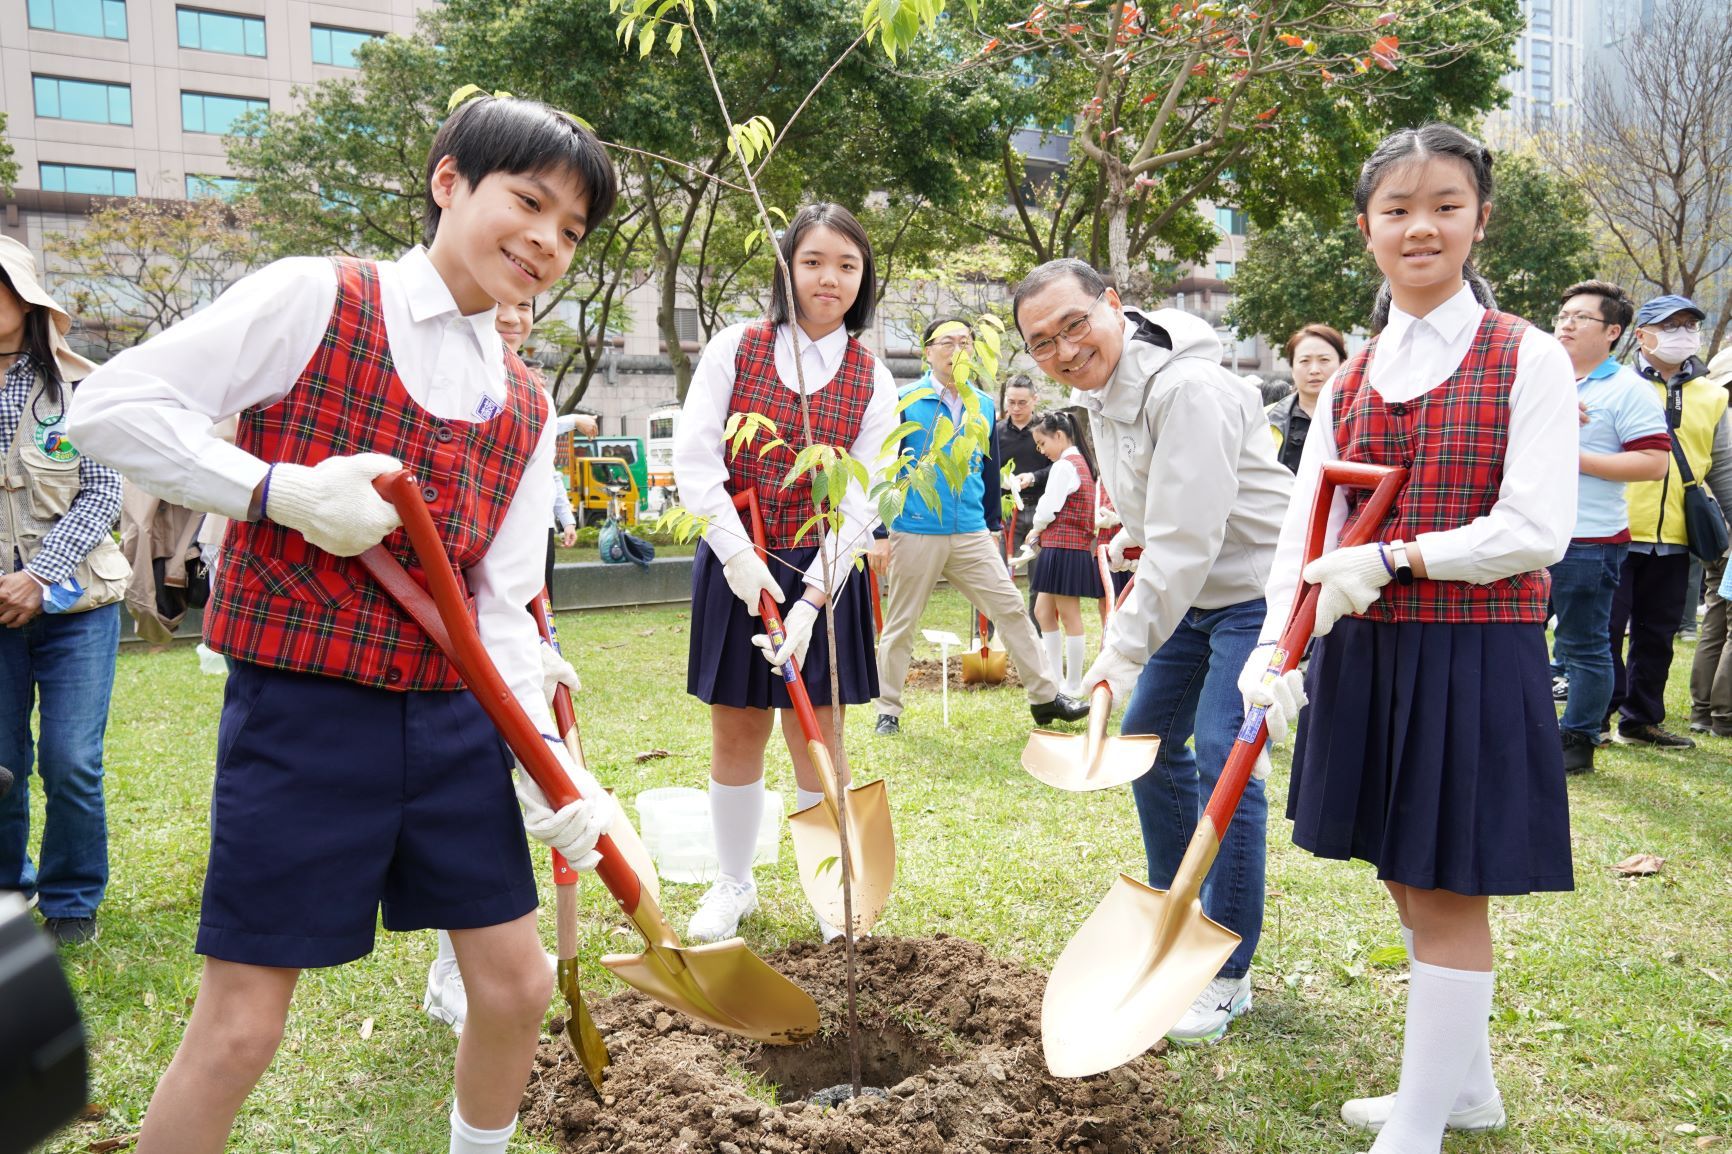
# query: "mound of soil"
[[951, 1034], [927, 672]]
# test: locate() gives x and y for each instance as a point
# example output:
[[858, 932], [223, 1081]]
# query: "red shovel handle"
[[1385, 483], [563, 713], [477, 669], [772, 615]]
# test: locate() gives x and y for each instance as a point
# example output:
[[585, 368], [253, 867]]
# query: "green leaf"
[[676, 35], [828, 864], [646, 40], [1387, 956]]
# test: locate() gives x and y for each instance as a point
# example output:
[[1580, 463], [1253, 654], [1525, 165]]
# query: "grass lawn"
[[1612, 1031]]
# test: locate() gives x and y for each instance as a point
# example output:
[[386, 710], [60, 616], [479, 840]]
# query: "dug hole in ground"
[[950, 1033]]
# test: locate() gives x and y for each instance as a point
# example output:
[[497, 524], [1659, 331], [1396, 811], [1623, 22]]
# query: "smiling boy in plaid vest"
[[353, 771]]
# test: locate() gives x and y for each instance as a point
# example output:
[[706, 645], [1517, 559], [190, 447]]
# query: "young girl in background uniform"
[[750, 368], [1064, 528], [1432, 748]]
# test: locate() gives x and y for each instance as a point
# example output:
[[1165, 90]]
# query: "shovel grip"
[[772, 615], [479, 673], [1385, 483]]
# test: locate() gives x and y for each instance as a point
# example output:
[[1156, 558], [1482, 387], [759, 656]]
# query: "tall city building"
[[1552, 52]]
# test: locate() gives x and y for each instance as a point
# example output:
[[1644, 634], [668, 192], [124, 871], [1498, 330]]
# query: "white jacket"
[[1185, 453]]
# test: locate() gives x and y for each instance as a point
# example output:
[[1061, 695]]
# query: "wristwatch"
[[1403, 568]]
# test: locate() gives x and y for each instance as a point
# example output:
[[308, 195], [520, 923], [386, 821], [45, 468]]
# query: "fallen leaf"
[[92, 1111], [651, 755], [1708, 1140], [366, 1029], [1639, 865], [1684, 1128], [149, 999], [615, 645], [115, 1143]]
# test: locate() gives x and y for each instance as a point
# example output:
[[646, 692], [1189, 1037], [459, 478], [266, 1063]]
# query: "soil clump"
[[928, 672], [950, 1032]]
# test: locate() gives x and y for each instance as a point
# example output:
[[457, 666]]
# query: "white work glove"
[[1281, 699], [1348, 581], [797, 625], [556, 671], [1116, 552], [748, 576], [1118, 671], [1032, 542], [333, 504], [1107, 518], [572, 831]]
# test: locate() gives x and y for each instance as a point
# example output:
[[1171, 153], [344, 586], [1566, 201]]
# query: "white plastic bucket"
[[675, 824]]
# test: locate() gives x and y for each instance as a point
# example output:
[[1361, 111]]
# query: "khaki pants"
[[972, 563], [1711, 669]]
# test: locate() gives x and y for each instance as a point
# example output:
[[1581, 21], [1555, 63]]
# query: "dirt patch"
[[953, 1035], [927, 672]]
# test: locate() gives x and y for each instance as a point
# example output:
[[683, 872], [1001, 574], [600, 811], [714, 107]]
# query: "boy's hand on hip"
[[1349, 580], [333, 504], [573, 830]]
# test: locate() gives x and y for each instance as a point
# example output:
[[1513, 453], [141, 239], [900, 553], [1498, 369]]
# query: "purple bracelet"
[[265, 497], [1383, 555]]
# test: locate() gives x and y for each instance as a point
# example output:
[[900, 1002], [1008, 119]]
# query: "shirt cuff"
[[47, 580], [233, 474]]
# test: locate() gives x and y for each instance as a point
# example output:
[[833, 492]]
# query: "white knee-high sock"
[[467, 1139], [1054, 643], [1073, 664], [446, 953], [1480, 1085], [1447, 1016], [806, 798], [736, 811]]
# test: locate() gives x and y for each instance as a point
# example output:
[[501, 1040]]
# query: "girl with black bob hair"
[[494, 134], [840, 221], [1432, 749], [1064, 527]]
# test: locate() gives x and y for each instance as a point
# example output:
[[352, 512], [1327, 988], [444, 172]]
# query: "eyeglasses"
[[1043, 350], [1568, 320], [1676, 326], [952, 343]]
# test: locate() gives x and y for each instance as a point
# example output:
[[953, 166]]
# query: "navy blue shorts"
[[333, 800]]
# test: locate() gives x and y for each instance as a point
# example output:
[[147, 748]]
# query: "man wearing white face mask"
[[1652, 589]]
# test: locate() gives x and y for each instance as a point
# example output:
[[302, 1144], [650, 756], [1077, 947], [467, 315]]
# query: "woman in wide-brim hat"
[[61, 583]]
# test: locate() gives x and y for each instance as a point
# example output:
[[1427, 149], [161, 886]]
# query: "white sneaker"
[[445, 999], [719, 914], [1371, 1114], [1222, 1000]]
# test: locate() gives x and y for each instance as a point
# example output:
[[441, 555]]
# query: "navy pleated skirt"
[[1066, 573], [1431, 751], [723, 667]]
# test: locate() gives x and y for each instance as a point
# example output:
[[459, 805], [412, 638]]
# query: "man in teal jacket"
[[956, 539]]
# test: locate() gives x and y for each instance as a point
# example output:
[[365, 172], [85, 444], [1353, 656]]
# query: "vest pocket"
[[52, 484], [104, 574], [322, 587]]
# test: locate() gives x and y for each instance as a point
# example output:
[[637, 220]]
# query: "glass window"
[[336, 46], [105, 18], [85, 179], [87, 100], [205, 187], [1223, 270], [220, 32], [1230, 221], [216, 115]]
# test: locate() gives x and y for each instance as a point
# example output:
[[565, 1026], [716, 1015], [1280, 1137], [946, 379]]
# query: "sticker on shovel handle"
[[1254, 716]]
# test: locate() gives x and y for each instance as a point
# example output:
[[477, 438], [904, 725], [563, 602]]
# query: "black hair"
[[838, 220], [38, 339], [1020, 381], [492, 134], [1404, 147], [1620, 310], [1050, 273], [1060, 421], [940, 322]]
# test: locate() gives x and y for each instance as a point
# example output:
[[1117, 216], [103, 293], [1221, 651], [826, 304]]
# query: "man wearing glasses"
[[1653, 588], [1186, 455], [1623, 438]]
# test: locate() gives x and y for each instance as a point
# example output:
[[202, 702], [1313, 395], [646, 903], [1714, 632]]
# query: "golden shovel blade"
[[871, 847], [580, 1028], [984, 665], [722, 984], [1080, 762]]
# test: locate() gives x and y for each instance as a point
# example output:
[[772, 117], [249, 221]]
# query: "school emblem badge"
[[51, 440]]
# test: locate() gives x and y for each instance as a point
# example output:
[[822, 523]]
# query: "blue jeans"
[[1190, 687], [1582, 587], [64, 665]]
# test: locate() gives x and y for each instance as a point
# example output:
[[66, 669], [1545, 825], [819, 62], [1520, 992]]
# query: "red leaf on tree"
[[1211, 100], [991, 44], [1200, 69], [1148, 98], [1291, 40], [1385, 19], [1328, 76], [1386, 52], [1268, 113]]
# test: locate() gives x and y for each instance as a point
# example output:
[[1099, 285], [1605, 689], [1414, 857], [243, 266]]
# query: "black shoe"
[[70, 931], [1060, 708], [1700, 727], [1652, 735], [1578, 753], [889, 725], [1560, 689]]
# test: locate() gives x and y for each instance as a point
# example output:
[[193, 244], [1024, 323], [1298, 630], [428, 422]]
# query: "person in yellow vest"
[[1652, 587]]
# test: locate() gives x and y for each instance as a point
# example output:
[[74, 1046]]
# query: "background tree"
[[1260, 106], [140, 265], [8, 166], [1652, 150], [1308, 268]]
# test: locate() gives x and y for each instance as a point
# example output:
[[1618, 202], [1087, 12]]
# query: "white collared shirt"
[[1528, 527], [700, 462], [150, 411]]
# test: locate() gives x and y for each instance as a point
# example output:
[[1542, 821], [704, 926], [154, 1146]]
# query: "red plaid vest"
[[281, 602], [1074, 527], [837, 411], [1452, 441]]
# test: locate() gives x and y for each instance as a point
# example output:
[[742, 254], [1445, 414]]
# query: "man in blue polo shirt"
[[1623, 438]]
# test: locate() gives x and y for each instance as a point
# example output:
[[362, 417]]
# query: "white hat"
[[1720, 368], [19, 265]]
